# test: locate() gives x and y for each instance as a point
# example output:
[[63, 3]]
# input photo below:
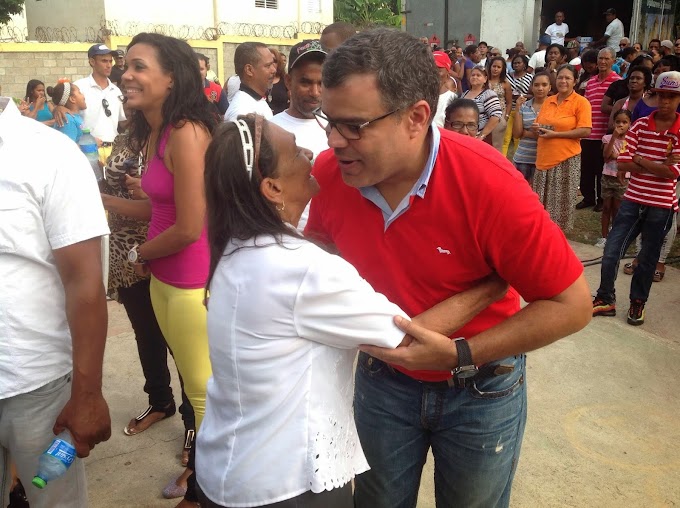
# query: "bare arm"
[[86, 414], [538, 324], [137, 209], [646, 166], [609, 148], [186, 151], [508, 99], [489, 127], [607, 105], [578, 133]]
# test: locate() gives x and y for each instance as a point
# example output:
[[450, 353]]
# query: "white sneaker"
[[601, 243]]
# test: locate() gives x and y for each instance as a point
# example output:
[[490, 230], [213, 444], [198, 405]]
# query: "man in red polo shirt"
[[592, 160], [425, 214], [650, 201]]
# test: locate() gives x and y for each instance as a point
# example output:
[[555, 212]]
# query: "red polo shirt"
[[595, 90], [478, 215]]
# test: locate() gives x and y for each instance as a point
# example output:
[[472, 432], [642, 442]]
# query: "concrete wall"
[[79, 14], [289, 11], [504, 22], [197, 13]]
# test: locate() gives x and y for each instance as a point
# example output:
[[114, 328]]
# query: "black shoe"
[[598, 207], [584, 204], [636, 313]]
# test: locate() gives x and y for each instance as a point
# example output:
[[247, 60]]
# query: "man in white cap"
[[666, 48], [613, 33], [650, 201]]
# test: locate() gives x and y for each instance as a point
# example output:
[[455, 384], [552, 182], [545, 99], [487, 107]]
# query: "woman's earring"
[[283, 207]]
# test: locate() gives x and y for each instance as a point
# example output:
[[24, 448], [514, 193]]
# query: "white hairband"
[[67, 94], [248, 147]]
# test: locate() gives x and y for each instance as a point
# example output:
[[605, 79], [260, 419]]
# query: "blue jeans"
[[475, 434], [632, 220]]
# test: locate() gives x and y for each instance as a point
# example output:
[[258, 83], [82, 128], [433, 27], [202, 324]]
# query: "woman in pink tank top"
[[172, 121]]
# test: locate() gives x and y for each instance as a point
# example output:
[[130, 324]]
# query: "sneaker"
[[636, 313], [602, 308], [601, 243]]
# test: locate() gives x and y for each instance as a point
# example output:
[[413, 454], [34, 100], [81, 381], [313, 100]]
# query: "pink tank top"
[[188, 268]]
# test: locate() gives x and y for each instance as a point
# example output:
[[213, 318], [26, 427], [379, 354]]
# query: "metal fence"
[[10, 33]]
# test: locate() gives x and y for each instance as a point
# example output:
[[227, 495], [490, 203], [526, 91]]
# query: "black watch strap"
[[464, 353]]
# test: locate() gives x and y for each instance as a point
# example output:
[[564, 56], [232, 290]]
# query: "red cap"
[[442, 60]]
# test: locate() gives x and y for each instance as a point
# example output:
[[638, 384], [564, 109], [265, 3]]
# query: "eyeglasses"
[[459, 126], [105, 105], [349, 131]]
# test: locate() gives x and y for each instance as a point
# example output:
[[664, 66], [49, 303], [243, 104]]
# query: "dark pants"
[[336, 498], [632, 220], [152, 349], [592, 162]]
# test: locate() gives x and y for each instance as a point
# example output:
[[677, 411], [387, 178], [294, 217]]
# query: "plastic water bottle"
[[56, 460], [88, 145]]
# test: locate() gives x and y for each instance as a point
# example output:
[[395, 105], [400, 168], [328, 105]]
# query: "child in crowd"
[[69, 95], [613, 184]]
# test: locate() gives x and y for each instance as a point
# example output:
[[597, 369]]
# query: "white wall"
[[196, 13], [504, 22], [288, 12], [79, 14]]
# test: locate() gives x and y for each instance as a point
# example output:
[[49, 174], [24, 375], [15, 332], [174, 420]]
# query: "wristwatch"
[[134, 256], [466, 369]]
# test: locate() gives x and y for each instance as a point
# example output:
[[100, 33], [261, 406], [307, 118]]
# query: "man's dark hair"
[[655, 40], [589, 56], [403, 66], [457, 104], [247, 53], [671, 61], [343, 30], [482, 42], [469, 49], [205, 59], [626, 52]]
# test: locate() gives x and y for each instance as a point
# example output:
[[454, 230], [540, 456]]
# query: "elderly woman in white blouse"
[[285, 319]]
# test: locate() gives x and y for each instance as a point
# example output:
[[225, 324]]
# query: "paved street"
[[602, 431]]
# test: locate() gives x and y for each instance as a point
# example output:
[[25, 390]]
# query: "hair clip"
[[247, 143]]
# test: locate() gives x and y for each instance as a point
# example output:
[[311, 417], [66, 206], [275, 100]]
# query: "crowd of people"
[[237, 224]]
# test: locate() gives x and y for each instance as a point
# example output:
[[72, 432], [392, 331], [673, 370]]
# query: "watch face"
[[466, 371], [132, 256]]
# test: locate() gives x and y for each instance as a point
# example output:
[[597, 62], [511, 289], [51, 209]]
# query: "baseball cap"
[[442, 60], [99, 49], [119, 53], [610, 11], [544, 39], [572, 45], [667, 44], [668, 82], [304, 48]]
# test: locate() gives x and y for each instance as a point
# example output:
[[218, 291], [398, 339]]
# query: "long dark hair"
[[236, 209], [504, 67], [30, 88], [186, 101]]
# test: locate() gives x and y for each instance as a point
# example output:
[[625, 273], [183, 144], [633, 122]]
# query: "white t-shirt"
[[244, 104], [233, 84], [615, 32], [284, 323], [308, 134], [444, 100], [537, 60], [557, 33], [48, 200], [94, 117]]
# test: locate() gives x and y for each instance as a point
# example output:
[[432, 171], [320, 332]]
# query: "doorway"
[[585, 17]]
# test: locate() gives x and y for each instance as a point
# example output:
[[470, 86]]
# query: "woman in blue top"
[[69, 95], [38, 107]]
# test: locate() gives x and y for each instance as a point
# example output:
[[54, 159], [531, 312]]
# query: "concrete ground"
[[603, 426]]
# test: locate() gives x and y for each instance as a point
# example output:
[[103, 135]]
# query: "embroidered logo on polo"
[[443, 251]]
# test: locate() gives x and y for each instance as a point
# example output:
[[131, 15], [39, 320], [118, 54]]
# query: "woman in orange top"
[[564, 119]]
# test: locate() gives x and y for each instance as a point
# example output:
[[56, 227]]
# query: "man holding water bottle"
[[52, 306]]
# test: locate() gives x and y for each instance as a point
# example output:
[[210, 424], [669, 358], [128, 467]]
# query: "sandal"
[[658, 276], [629, 268], [189, 436], [167, 411]]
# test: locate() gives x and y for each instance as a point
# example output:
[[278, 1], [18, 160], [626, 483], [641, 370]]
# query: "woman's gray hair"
[[403, 66]]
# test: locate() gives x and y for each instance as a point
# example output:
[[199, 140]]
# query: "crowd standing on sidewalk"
[[238, 226]]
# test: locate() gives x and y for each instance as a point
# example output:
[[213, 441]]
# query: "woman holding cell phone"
[[564, 119]]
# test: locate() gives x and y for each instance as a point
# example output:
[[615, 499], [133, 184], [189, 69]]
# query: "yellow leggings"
[[508, 134], [182, 318]]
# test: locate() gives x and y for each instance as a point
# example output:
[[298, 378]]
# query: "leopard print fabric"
[[125, 232]]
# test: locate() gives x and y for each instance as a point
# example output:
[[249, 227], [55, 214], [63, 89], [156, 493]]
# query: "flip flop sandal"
[[168, 411], [658, 276], [189, 436], [629, 268]]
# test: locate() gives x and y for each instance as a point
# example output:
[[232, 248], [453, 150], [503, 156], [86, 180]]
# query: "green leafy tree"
[[9, 7], [365, 13]]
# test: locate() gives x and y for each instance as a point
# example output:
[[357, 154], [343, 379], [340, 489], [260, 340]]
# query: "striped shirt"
[[643, 140], [520, 85], [595, 90], [526, 150], [488, 105]]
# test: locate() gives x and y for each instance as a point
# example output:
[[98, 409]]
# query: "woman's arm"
[[185, 158], [136, 209], [492, 108], [508, 98], [607, 105], [518, 123], [609, 150]]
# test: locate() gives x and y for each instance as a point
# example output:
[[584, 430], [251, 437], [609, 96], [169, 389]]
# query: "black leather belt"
[[106, 144]]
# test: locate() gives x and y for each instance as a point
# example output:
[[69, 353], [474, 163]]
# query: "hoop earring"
[[283, 207]]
